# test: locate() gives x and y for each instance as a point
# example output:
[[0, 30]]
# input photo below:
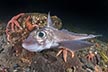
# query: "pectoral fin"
[[75, 45]]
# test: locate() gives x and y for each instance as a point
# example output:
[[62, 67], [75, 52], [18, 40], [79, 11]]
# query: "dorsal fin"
[[49, 21]]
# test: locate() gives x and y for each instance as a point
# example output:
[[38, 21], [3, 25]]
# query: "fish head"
[[40, 39]]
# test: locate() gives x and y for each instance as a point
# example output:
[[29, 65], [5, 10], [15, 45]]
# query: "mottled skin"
[[20, 26]]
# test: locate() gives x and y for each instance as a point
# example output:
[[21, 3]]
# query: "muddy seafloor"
[[46, 61]]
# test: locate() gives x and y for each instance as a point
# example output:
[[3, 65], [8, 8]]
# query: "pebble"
[[16, 66], [69, 70], [1, 50], [89, 70], [3, 69], [89, 65], [27, 70], [15, 70], [98, 59], [83, 60]]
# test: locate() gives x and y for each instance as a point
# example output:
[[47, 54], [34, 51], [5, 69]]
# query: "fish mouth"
[[32, 47], [31, 44]]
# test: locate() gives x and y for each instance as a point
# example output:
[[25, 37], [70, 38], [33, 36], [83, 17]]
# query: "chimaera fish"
[[50, 37]]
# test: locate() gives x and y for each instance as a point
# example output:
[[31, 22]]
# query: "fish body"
[[50, 37]]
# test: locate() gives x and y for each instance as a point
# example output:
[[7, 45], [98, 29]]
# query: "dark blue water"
[[77, 15]]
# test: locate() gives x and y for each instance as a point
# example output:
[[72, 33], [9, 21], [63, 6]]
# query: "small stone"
[[84, 67], [83, 60], [98, 59], [69, 70], [27, 69], [15, 70], [89, 70], [16, 66], [90, 66], [1, 50]]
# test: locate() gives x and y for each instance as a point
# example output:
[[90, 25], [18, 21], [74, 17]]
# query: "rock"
[[53, 64]]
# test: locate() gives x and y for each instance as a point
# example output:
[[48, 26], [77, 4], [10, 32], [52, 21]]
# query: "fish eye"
[[41, 34]]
